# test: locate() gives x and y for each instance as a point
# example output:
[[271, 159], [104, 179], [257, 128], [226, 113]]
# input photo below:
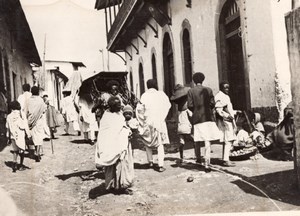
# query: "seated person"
[[282, 137]]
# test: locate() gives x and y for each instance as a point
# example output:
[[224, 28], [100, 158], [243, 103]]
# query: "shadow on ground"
[[98, 191], [84, 175], [81, 141], [280, 186]]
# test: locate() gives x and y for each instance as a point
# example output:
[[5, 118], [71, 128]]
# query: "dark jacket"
[[201, 102]]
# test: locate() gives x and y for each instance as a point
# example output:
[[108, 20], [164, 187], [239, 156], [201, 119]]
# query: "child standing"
[[184, 128], [16, 129], [133, 124]]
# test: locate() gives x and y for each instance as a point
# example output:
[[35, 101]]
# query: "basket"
[[250, 152]]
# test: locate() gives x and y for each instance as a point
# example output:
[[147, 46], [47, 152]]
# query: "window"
[[153, 61], [141, 79], [187, 58], [131, 81]]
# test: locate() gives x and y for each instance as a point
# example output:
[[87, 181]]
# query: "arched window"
[[168, 61], [141, 79], [187, 57], [131, 81], [153, 61]]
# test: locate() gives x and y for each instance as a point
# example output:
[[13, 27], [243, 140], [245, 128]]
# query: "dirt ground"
[[67, 183]]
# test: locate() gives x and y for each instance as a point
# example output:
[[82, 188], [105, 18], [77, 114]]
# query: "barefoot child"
[[16, 128], [184, 114]]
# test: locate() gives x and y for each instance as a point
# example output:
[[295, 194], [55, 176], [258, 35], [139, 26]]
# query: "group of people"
[[119, 128], [202, 115], [27, 122], [205, 118]]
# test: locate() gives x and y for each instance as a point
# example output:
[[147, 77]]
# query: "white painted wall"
[[263, 46]]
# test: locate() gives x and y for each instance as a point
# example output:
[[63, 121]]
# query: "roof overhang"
[[20, 30], [131, 18]]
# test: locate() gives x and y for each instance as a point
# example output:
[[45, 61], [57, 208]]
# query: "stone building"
[[242, 41]]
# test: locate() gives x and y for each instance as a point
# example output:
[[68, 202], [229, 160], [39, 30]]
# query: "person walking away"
[[35, 112], [225, 121], [201, 102], [88, 123], [152, 113], [113, 150], [51, 117], [69, 112], [16, 129], [23, 100], [184, 128]]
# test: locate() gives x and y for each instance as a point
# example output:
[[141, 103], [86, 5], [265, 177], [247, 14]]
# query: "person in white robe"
[[68, 110], [225, 120], [151, 114], [113, 149]]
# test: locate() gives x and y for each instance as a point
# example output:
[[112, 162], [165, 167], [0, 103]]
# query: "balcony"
[[132, 16]]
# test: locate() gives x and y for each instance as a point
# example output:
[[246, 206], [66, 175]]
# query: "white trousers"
[[226, 150], [160, 155]]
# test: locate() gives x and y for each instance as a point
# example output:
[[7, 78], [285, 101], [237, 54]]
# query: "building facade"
[[57, 73], [18, 54], [230, 40]]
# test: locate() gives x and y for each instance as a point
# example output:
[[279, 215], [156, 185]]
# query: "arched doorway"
[[141, 79], [232, 55], [168, 61], [187, 56]]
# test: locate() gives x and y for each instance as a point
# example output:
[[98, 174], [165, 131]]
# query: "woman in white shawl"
[[113, 150]]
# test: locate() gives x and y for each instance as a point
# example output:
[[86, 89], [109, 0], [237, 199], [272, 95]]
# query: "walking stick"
[[51, 140]]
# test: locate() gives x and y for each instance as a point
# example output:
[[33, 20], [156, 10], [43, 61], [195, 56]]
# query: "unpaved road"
[[67, 183]]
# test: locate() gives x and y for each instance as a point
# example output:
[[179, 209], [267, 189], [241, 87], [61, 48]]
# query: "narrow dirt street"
[[67, 183]]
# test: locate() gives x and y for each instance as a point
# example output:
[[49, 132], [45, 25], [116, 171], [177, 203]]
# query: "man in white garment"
[[69, 112], [156, 107], [23, 100], [225, 120]]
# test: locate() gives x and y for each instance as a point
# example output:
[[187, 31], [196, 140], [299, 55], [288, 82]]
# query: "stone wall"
[[293, 33]]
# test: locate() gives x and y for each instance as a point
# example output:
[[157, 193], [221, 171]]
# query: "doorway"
[[232, 55]]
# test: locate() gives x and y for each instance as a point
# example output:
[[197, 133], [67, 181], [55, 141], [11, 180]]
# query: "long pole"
[[108, 61], [43, 76], [101, 51]]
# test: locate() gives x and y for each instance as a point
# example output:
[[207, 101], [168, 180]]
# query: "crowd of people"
[[116, 127]]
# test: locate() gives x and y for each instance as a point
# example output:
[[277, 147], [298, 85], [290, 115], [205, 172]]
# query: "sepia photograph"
[[149, 107]]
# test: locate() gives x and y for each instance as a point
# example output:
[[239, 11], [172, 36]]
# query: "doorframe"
[[220, 57]]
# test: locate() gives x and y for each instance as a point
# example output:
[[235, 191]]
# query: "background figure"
[[51, 117], [225, 120], [69, 112], [113, 87], [184, 128], [16, 129], [151, 115], [3, 110], [36, 123], [88, 123], [201, 103], [113, 150], [282, 137], [23, 100]]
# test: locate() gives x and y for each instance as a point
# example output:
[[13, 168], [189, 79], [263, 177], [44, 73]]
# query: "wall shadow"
[[280, 186]]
